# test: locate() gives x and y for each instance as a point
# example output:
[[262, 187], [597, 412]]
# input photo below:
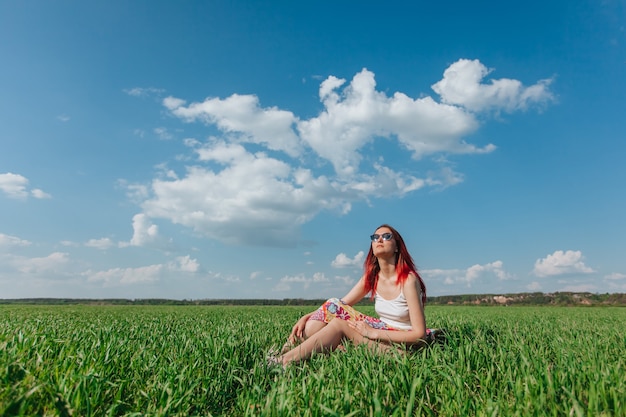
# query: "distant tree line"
[[523, 299]]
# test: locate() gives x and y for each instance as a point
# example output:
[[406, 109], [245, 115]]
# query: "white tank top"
[[394, 312]]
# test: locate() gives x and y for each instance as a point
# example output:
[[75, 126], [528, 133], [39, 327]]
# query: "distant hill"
[[535, 298], [522, 299]]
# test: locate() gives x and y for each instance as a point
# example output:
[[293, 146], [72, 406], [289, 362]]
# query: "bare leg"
[[326, 340], [311, 327]]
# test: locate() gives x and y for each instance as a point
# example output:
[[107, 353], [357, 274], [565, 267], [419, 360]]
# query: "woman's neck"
[[387, 269]]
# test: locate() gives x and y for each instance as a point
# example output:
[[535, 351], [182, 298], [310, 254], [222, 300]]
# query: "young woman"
[[399, 295]]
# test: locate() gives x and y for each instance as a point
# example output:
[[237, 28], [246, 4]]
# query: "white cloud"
[[469, 277], [144, 232], [342, 260], [243, 189], [185, 264], [462, 85], [386, 183], [16, 186], [560, 263], [37, 193], [7, 241], [295, 278], [102, 244], [142, 274], [125, 276], [359, 114], [255, 199], [54, 262], [444, 178], [306, 281], [475, 271], [241, 115], [615, 276]]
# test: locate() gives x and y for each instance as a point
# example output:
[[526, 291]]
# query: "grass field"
[[142, 360]]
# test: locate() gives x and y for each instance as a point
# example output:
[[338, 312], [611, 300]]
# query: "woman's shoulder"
[[412, 282], [411, 278]]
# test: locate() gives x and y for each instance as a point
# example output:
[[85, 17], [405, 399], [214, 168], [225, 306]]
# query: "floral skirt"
[[336, 308]]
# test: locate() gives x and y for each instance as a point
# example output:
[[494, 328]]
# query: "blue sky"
[[193, 150]]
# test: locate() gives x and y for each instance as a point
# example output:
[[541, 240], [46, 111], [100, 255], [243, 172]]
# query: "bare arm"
[[356, 294], [416, 314]]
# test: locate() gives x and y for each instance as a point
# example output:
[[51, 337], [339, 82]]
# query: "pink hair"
[[404, 266]]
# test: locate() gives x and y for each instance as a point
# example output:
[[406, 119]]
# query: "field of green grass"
[[197, 360]]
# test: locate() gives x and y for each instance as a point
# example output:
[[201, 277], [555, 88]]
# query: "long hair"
[[404, 266]]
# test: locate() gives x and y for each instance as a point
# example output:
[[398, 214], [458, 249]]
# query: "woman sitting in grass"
[[399, 295]]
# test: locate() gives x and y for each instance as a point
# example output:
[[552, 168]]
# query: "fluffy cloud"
[[475, 271], [185, 264], [16, 186], [254, 199], [7, 241], [469, 277], [241, 115], [462, 86], [102, 244], [342, 260], [561, 263], [54, 262], [359, 114], [264, 175], [144, 232], [143, 274], [306, 281]]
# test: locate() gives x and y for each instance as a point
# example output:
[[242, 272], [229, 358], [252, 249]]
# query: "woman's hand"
[[297, 330], [364, 329]]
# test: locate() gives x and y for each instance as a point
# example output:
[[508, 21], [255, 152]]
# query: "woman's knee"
[[313, 326], [339, 324]]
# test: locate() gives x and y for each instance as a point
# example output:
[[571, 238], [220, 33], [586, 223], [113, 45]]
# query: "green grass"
[[143, 360]]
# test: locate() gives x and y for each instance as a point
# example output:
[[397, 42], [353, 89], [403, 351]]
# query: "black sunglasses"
[[385, 236]]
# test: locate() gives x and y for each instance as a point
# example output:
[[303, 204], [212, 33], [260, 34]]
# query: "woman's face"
[[383, 242]]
